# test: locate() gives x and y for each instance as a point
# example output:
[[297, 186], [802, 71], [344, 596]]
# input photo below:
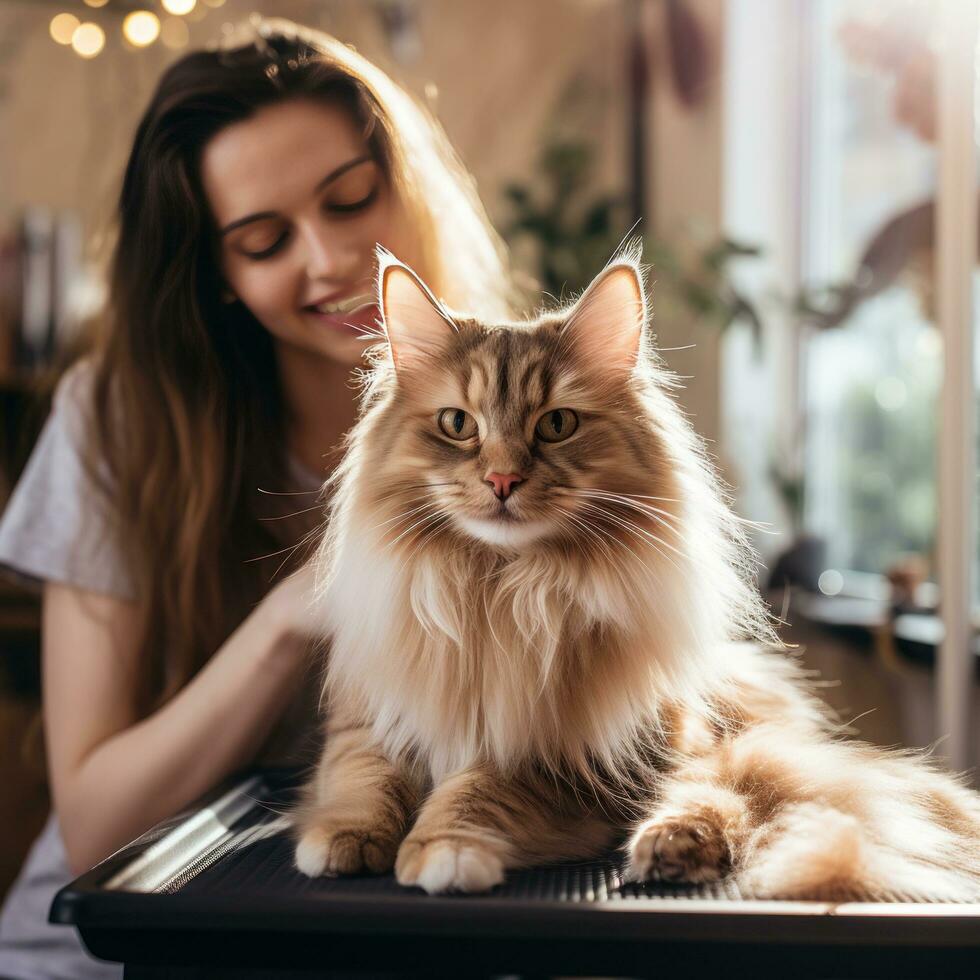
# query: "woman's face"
[[299, 204]]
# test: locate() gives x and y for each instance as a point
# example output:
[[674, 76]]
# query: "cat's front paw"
[[683, 848], [327, 849], [448, 864]]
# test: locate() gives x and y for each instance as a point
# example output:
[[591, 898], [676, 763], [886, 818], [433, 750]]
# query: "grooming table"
[[212, 893]]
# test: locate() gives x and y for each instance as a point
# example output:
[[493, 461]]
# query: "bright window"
[[870, 385]]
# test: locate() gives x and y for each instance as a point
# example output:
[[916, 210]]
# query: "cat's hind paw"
[[448, 864], [326, 850], [684, 848]]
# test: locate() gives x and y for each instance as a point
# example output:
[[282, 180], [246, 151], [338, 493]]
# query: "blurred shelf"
[[916, 636], [846, 611]]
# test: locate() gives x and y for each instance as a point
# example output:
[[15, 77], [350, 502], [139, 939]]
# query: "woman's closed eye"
[[259, 252], [346, 196], [263, 252], [345, 207], [355, 190]]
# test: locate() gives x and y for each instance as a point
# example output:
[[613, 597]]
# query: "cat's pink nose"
[[503, 485]]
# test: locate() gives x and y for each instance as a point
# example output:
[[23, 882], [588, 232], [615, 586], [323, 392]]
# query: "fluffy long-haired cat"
[[544, 640]]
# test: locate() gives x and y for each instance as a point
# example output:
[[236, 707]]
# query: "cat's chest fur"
[[480, 659]]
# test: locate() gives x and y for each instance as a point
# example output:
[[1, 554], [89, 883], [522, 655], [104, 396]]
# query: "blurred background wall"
[[504, 79]]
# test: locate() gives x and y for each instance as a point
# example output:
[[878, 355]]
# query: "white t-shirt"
[[55, 529]]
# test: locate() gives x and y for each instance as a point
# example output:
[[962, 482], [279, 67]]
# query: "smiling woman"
[[301, 203], [262, 179]]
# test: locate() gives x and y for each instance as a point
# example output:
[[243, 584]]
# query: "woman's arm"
[[114, 775]]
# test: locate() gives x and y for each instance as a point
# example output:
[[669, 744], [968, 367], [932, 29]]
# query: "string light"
[[88, 40], [141, 28], [62, 27]]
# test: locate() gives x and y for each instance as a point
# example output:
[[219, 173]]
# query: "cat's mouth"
[[505, 530], [504, 525]]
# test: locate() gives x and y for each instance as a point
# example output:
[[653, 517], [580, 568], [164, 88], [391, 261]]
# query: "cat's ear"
[[415, 322], [606, 324]]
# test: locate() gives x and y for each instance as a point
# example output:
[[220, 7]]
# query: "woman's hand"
[[114, 773]]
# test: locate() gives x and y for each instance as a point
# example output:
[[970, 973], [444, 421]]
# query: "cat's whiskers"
[[637, 531], [428, 525], [669, 521], [405, 513], [601, 535], [624, 521], [579, 493], [288, 493], [438, 521], [665, 516], [316, 531], [641, 534], [565, 522], [657, 518], [760, 526], [283, 517], [567, 516], [403, 488], [632, 525], [425, 505], [408, 530], [616, 540], [634, 496], [574, 521], [371, 333]]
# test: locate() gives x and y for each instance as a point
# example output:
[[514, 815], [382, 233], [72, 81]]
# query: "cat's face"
[[520, 433]]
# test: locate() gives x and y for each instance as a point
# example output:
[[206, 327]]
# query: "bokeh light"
[[830, 582], [88, 40], [179, 7], [62, 27], [141, 28], [96, 3]]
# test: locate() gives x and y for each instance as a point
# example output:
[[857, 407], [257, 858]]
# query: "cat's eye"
[[556, 425], [457, 424]]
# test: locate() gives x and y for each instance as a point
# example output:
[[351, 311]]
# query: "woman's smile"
[[362, 317]]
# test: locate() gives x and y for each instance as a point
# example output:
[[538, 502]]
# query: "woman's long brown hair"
[[188, 417]]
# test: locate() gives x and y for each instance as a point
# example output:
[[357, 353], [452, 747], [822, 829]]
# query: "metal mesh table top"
[[228, 864], [242, 845]]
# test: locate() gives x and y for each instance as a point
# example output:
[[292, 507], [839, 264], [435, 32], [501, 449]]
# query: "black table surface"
[[213, 893]]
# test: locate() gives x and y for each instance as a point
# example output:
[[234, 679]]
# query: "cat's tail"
[[816, 852], [866, 824]]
